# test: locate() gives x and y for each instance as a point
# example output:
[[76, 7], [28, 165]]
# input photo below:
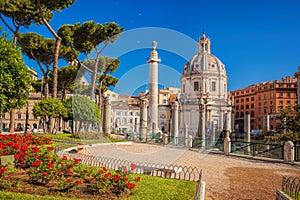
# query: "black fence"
[[160, 170], [297, 151], [262, 149], [291, 186]]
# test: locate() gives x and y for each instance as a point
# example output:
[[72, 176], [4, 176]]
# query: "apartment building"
[[263, 102]]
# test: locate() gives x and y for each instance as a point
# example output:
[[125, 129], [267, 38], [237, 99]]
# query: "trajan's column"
[[153, 89]]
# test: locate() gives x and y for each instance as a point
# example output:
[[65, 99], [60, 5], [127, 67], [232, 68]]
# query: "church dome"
[[203, 61]]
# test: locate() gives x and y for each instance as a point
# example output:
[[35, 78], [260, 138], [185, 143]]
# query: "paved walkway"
[[226, 177]]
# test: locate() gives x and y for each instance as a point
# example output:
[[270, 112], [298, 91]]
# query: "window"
[[265, 96], [271, 102], [237, 101], [131, 113], [183, 88], [252, 114], [242, 115], [163, 116], [288, 95], [131, 121], [258, 97], [164, 101], [281, 94], [242, 100], [247, 99], [236, 107], [19, 115], [252, 105], [288, 102], [247, 106], [137, 113], [271, 110], [242, 107], [258, 111], [196, 86], [265, 111], [259, 104], [265, 103], [213, 86], [237, 115], [281, 102], [252, 98]]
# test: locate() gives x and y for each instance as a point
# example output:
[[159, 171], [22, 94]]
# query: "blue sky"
[[257, 40]]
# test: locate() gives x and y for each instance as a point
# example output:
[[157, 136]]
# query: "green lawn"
[[22, 196], [164, 189], [70, 137]]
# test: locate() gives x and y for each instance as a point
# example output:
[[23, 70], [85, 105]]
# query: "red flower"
[[100, 171], [133, 166], [108, 174], [125, 179], [116, 177], [68, 180], [68, 171], [92, 179], [36, 163], [65, 158], [138, 179], [77, 160], [2, 170], [17, 156], [45, 173], [124, 169], [104, 169], [78, 182], [35, 149], [130, 185]]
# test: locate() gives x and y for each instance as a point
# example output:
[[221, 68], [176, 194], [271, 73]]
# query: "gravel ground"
[[226, 177]]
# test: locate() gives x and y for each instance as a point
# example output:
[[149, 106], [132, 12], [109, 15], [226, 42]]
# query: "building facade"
[[22, 114], [263, 101]]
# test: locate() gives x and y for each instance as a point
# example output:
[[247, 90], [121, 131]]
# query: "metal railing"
[[291, 186], [262, 149], [152, 169], [198, 189]]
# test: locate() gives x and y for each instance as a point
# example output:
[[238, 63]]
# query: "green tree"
[[85, 110], [40, 49], [88, 37], [49, 108], [49, 6], [66, 79], [15, 78], [289, 119]]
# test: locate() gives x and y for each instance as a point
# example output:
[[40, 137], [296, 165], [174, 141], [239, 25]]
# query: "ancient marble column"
[[267, 122], [153, 89], [175, 121], [143, 119], [201, 129], [107, 115], [247, 130]]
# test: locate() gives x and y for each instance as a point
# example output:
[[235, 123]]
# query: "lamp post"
[[26, 118]]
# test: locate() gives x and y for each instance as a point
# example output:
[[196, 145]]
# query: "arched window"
[[196, 86], [237, 115]]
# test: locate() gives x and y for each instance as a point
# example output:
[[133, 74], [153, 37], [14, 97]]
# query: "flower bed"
[[34, 155]]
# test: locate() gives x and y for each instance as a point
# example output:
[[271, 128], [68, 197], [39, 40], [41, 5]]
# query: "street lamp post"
[[26, 118]]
